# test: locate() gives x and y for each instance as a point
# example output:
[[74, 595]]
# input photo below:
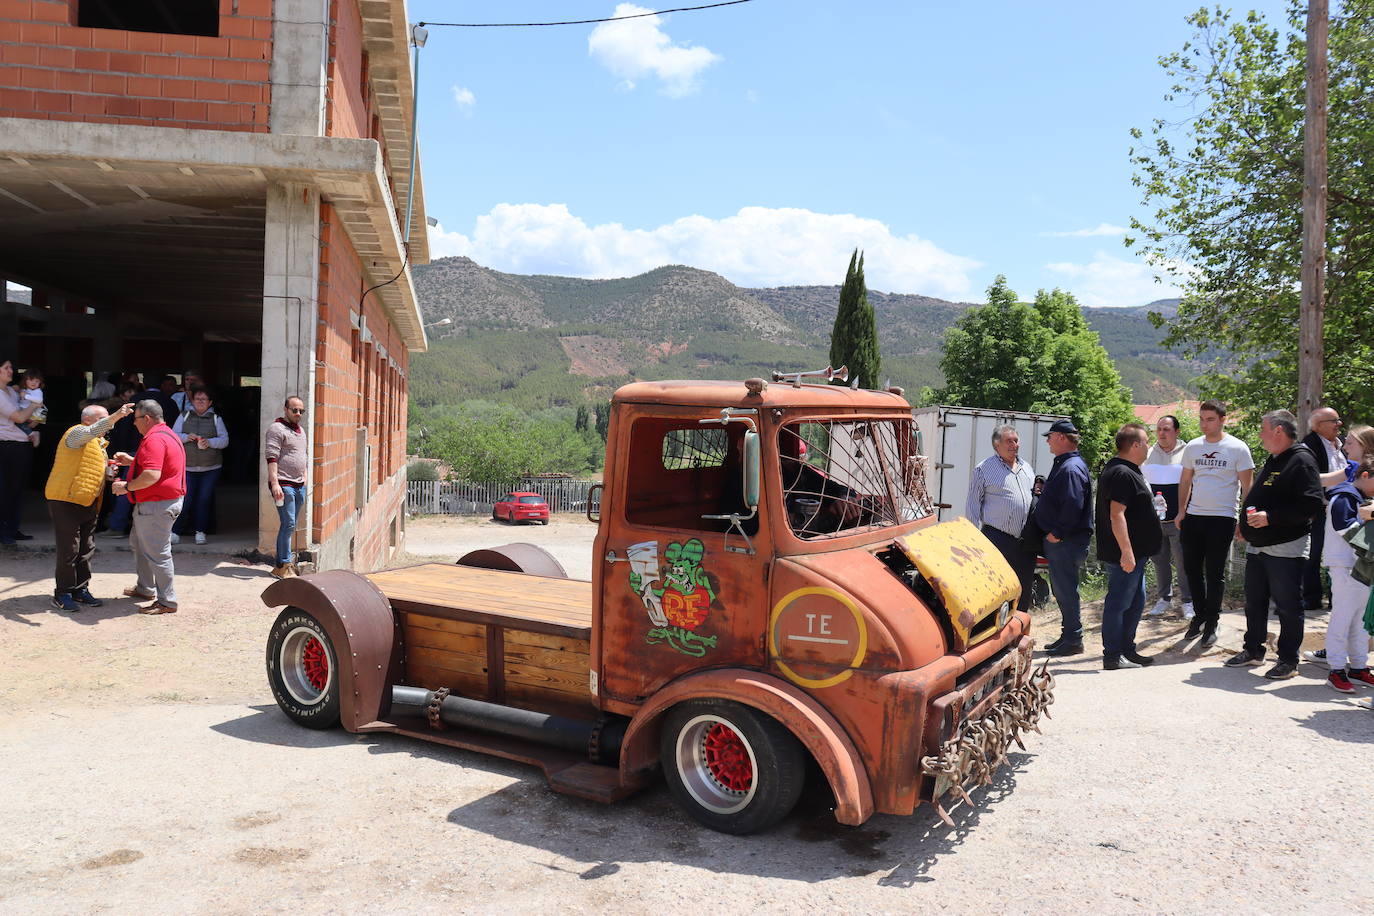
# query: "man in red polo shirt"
[[156, 485]]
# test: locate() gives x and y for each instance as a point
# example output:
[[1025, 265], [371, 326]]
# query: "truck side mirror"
[[752, 471]]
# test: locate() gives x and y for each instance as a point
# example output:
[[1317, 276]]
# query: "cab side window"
[[680, 470]]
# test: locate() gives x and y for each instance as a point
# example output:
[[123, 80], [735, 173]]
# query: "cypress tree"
[[854, 339]]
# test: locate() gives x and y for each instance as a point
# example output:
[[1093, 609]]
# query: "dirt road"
[[146, 770]]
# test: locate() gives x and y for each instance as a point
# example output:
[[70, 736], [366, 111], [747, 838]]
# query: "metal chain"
[[978, 749], [436, 701]]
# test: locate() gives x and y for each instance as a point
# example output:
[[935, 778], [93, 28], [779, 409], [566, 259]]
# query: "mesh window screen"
[[839, 476], [699, 447]]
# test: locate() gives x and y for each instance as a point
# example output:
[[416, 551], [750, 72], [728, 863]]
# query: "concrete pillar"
[[300, 62], [291, 282]]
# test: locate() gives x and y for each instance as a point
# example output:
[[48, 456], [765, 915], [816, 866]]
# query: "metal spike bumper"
[[977, 749]]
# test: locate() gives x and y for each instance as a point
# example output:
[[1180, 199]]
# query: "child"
[[31, 392], [1347, 644]]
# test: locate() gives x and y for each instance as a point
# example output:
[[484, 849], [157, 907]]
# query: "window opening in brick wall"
[[182, 17]]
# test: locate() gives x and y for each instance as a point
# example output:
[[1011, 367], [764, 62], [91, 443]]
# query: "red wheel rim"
[[728, 758], [315, 663]]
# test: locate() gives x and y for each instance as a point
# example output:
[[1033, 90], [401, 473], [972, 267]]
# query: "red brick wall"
[[51, 69], [349, 110], [355, 387]]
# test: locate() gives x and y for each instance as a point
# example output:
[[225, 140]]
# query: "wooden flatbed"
[[456, 619]]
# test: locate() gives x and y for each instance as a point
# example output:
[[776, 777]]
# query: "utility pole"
[[1311, 355]]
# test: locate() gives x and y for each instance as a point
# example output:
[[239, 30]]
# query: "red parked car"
[[521, 507]]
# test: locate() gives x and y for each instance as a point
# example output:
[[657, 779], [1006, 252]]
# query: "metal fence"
[[460, 497]]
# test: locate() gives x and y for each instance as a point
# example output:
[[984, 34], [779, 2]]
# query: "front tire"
[[303, 670], [729, 766]]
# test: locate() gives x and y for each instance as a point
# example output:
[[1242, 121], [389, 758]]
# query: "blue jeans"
[[1122, 608], [287, 513], [200, 501], [121, 516], [1066, 559]]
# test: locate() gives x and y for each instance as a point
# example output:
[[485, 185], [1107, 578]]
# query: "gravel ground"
[[145, 769]]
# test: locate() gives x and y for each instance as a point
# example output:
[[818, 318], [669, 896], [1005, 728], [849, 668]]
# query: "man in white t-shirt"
[[1217, 469], [1163, 469]]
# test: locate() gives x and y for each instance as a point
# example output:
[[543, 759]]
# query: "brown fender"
[[360, 624], [816, 728], [518, 557]]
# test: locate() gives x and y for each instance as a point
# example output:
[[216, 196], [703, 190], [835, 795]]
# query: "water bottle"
[[1161, 505]]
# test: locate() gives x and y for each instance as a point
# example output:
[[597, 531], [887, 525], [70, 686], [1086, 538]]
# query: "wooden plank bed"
[[454, 619]]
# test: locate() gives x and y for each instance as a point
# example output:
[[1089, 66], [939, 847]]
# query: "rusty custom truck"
[[770, 585]]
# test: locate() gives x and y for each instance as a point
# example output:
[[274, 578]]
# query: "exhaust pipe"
[[598, 740]]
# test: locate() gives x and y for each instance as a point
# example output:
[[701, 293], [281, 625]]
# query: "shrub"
[[420, 469]]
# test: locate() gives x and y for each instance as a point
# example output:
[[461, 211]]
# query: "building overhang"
[[73, 177], [386, 36]]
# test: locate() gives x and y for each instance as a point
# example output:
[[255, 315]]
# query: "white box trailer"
[[956, 439]]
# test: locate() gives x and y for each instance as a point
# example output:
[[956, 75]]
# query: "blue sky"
[[765, 141]]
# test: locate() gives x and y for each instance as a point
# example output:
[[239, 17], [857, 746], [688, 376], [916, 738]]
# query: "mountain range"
[[538, 341]]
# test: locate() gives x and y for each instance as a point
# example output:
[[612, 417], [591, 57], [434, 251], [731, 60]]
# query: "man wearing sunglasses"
[[1323, 438], [286, 454]]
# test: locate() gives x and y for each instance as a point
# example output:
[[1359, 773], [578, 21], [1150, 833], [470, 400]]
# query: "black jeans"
[[1279, 578], [16, 460], [1022, 561], [1206, 543]]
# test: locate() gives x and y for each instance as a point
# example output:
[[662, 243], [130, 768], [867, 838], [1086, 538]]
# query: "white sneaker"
[[1317, 658], [1188, 613], [1160, 609], [200, 537], [176, 538]]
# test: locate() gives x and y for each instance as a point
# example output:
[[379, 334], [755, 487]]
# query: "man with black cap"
[[1065, 514]]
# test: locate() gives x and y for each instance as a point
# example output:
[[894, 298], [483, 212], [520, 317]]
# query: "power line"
[[508, 25]]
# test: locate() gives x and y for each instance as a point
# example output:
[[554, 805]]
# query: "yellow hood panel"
[[968, 573]]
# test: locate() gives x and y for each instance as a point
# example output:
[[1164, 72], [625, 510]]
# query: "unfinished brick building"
[[218, 184]]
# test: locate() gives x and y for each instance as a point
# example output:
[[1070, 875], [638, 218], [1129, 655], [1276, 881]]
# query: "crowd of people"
[[142, 463], [1182, 506]]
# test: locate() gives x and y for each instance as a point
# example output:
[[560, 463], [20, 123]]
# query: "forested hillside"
[[543, 341]]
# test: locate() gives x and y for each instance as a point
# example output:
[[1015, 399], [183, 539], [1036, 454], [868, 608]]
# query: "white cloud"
[[1098, 230], [1111, 281], [445, 244], [757, 246], [636, 48], [464, 97]]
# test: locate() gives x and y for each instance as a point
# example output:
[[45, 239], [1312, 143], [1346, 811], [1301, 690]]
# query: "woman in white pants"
[[1347, 643]]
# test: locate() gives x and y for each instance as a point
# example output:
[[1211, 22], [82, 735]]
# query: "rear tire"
[[731, 767], [303, 670], [494, 516]]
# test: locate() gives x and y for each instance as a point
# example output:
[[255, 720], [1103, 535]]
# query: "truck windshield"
[[842, 475]]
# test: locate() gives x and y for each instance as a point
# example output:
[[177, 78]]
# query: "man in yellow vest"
[[74, 490]]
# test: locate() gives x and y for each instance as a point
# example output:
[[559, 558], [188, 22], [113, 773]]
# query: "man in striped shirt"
[[999, 501]]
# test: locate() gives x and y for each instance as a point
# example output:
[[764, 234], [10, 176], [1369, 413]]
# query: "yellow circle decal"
[[810, 628]]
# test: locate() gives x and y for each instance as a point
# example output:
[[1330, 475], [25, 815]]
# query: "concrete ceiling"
[[169, 225], [179, 247]]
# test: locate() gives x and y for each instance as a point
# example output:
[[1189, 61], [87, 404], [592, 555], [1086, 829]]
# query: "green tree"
[[990, 352], [583, 420], [1042, 358], [854, 339], [1075, 376], [497, 443], [603, 419], [1225, 190]]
